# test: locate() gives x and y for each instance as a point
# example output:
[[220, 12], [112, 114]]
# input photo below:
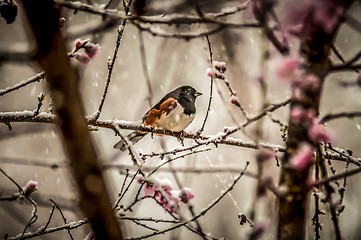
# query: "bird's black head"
[[188, 93], [186, 96]]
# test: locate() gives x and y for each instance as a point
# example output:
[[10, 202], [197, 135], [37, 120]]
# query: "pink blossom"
[[172, 204], [297, 115], [170, 201], [166, 185], [30, 187], [234, 100], [317, 133], [92, 50], [82, 58], [311, 82], [287, 68], [311, 116], [292, 22], [211, 72], [149, 189], [302, 158], [162, 191], [185, 195], [78, 43], [327, 14]]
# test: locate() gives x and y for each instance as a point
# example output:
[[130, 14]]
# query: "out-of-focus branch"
[[142, 22], [13, 56], [334, 116], [262, 10], [174, 19], [63, 81]]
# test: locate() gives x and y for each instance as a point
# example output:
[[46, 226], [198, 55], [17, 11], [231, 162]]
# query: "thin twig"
[[149, 219], [34, 216], [145, 226], [173, 159], [328, 192], [120, 32], [192, 35], [62, 215], [210, 88], [49, 219], [126, 189], [40, 232], [21, 84], [336, 177]]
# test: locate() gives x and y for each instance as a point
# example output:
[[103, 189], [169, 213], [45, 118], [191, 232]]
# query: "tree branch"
[[63, 81]]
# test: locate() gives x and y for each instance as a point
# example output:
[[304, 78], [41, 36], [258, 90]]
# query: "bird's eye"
[[189, 90]]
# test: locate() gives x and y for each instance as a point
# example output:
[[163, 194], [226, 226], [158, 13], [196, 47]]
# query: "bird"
[[174, 112]]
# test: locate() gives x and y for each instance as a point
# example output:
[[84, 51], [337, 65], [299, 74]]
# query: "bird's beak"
[[197, 94]]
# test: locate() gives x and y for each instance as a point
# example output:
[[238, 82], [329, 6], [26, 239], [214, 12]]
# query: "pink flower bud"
[[287, 68], [327, 14], [311, 82], [211, 72], [317, 133], [30, 187], [92, 50], [82, 58], [302, 158], [185, 195], [149, 189], [234, 100], [61, 22], [297, 114], [78, 43]]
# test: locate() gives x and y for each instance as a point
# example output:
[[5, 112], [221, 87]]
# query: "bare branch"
[[63, 81], [120, 32], [210, 88], [19, 85], [40, 232]]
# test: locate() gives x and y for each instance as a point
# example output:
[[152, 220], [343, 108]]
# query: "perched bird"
[[174, 112]]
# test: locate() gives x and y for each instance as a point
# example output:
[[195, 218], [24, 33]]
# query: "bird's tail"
[[133, 137]]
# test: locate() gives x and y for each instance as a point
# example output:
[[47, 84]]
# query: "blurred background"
[[170, 64]]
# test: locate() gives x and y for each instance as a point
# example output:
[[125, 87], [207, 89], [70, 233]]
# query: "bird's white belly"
[[176, 120]]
